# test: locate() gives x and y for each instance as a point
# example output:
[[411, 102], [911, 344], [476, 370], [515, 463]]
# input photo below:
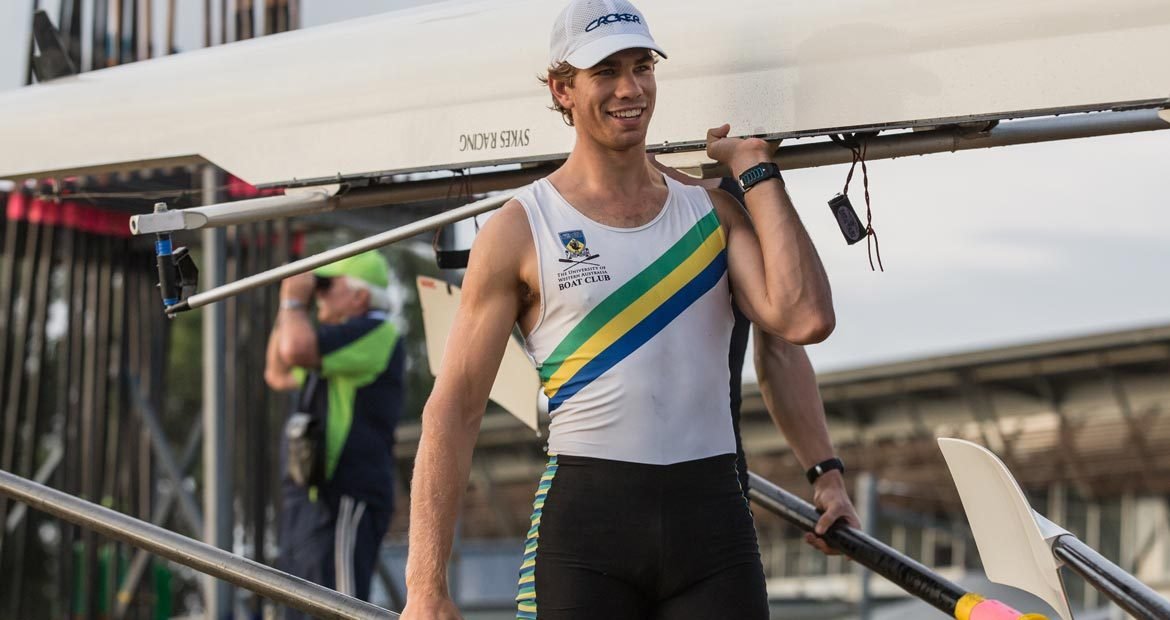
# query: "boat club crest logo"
[[581, 266], [574, 242]]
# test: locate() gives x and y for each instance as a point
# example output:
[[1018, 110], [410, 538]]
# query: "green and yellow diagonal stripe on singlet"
[[636, 311]]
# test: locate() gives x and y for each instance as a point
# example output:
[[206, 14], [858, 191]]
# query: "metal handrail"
[[322, 602], [266, 581]]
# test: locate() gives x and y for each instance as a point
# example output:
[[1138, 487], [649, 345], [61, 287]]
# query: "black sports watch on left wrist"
[[820, 468], [759, 173]]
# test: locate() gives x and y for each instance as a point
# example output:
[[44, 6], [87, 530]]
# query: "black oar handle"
[[864, 549]]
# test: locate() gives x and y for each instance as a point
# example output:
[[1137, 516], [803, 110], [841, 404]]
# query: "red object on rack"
[[69, 213]]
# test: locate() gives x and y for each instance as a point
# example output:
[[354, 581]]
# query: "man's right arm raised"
[[491, 302]]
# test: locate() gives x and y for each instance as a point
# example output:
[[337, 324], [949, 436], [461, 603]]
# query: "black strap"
[[460, 188], [731, 186], [859, 146], [308, 392], [817, 470], [452, 259]]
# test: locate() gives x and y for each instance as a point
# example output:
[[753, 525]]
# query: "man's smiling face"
[[612, 101]]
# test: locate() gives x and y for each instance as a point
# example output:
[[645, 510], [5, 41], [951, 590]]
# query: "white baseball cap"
[[587, 31]]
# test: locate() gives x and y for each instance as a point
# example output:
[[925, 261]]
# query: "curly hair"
[[562, 72]]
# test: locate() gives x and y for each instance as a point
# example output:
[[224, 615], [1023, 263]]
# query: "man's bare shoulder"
[[502, 242], [504, 230], [510, 221], [730, 212]]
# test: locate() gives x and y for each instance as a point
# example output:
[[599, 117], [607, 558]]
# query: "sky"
[[982, 248]]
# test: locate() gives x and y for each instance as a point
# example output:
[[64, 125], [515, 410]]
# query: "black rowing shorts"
[[618, 540]]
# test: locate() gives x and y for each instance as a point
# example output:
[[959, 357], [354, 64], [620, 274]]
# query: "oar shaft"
[[903, 571], [1135, 597], [351, 249], [862, 548]]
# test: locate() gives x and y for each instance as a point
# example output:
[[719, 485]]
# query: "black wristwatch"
[[758, 174], [820, 468]]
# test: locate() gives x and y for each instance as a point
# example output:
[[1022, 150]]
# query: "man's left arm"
[[789, 387], [776, 273]]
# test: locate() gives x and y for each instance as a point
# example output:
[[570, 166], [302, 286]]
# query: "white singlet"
[[634, 329]]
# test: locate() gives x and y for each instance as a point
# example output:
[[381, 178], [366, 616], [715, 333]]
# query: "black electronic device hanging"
[[444, 239], [843, 211], [448, 258], [851, 226], [452, 259]]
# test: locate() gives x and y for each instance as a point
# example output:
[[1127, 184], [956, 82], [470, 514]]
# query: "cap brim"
[[338, 269], [594, 52], [332, 270]]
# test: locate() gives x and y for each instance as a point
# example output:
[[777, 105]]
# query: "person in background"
[[338, 453]]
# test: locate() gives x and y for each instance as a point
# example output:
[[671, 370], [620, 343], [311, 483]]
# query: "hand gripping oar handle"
[[884, 560]]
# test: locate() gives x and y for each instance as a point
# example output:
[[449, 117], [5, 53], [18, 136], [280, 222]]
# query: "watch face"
[[753, 175], [757, 173]]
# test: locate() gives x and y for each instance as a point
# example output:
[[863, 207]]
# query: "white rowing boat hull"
[[453, 85]]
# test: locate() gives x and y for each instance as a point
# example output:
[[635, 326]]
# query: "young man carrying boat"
[[620, 279]]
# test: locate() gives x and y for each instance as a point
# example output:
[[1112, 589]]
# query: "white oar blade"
[[517, 385], [1011, 539]]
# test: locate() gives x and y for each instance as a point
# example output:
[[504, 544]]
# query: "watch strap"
[[758, 174], [816, 471]]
